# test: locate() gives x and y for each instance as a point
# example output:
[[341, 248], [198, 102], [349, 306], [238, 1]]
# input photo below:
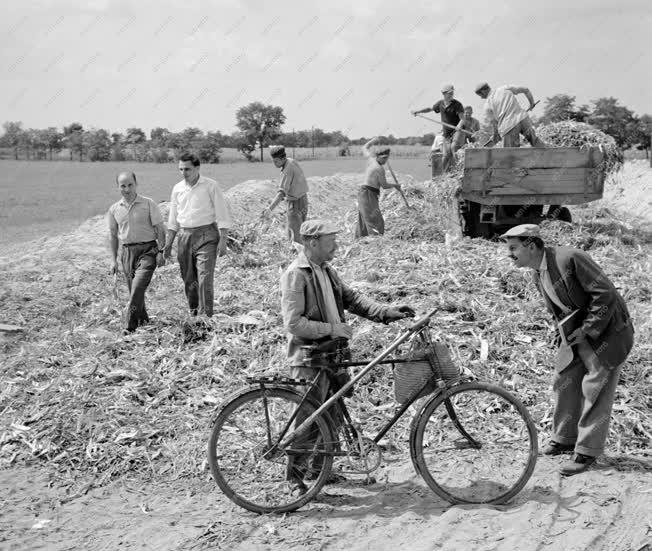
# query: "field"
[[39, 198], [103, 437]]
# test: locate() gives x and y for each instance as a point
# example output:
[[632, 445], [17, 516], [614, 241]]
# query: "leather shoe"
[[555, 448], [578, 464], [297, 487]]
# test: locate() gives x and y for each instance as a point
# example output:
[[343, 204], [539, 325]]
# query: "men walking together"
[[201, 217], [136, 222], [596, 336]]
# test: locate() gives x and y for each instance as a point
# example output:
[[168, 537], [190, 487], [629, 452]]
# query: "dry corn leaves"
[[90, 404]]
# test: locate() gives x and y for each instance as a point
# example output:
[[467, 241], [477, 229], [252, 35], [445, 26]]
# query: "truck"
[[503, 187]]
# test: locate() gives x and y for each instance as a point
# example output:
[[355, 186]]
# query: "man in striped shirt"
[[200, 215]]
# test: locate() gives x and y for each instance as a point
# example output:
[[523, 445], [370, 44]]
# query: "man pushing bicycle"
[[313, 300]]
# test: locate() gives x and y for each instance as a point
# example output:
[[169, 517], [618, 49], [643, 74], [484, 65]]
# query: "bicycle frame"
[[304, 427]]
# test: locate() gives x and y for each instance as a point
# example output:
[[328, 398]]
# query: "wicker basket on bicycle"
[[426, 362]]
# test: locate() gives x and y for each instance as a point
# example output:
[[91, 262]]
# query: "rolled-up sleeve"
[[112, 223], [222, 209], [293, 303], [172, 217], [155, 216]]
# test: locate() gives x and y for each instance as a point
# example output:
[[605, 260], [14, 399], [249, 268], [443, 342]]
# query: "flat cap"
[[447, 88], [524, 230], [277, 150], [481, 86], [315, 228]]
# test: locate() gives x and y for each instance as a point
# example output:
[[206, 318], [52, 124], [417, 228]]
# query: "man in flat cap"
[[508, 119], [370, 219], [293, 187], [452, 112], [596, 335], [313, 300], [135, 222]]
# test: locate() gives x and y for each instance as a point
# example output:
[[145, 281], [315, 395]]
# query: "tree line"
[[260, 125]]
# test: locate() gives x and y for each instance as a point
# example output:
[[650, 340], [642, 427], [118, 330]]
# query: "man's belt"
[[370, 188], [213, 225], [139, 243]]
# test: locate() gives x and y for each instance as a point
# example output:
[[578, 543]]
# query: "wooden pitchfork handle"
[[399, 186]]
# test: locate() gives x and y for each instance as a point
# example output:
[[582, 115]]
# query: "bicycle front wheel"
[[475, 444], [247, 463]]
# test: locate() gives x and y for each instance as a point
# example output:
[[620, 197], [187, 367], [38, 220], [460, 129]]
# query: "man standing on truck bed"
[[452, 112], [505, 114]]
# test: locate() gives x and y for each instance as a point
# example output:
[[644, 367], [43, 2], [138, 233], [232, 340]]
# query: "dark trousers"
[[197, 253], [370, 219], [138, 264], [297, 214]]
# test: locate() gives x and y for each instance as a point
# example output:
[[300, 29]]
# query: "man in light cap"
[[370, 219], [293, 187], [136, 222], [313, 300], [596, 335], [452, 112], [506, 116]]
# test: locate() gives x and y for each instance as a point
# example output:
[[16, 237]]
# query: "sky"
[[359, 66]]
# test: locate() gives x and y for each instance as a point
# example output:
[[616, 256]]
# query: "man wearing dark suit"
[[595, 339]]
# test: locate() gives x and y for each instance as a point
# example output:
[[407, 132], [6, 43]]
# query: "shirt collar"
[[125, 204], [543, 267], [303, 262], [199, 181]]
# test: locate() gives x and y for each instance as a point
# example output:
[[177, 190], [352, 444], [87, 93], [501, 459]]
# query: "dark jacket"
[[581, 284], [303, 308]]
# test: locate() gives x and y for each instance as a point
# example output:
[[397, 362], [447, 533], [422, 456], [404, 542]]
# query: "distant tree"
[[135, 140], [561, 107], [209, 149], [117, 138], [36, 143], [99, 144], [159, 136], [641, 138], [190, 139], [13, 135], [614, 119], [73, 136], [54, 140], [260, 124]]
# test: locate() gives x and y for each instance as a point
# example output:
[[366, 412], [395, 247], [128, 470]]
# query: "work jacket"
[[581, 284], [304, 311]]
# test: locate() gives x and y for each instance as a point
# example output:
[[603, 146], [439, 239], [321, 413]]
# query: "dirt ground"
[[605, 509], [609, 508]]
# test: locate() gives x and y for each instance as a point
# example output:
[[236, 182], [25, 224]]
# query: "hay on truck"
[[503, 187]]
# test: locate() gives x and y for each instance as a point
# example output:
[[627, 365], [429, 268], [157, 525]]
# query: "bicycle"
[[471, 441]]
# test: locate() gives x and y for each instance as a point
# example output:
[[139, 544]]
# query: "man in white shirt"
[[505, 114], [200, 215]]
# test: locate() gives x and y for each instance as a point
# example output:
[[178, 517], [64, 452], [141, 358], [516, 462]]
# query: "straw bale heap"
[[93, 406]]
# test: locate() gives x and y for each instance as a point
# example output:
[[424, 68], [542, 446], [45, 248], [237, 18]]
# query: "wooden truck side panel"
[[536, 176]]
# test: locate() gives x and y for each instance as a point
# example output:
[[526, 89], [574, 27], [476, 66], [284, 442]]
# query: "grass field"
[[39, 198]]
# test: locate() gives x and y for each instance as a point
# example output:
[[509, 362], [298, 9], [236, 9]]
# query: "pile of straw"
[[92, 406], [579, 134]]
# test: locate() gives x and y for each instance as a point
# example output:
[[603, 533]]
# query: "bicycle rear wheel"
[[247, 465], [477, 444]]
